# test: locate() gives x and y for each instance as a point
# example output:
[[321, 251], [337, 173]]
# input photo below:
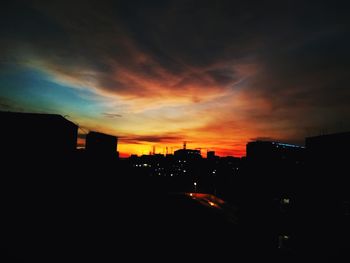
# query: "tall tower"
[[184, 145]]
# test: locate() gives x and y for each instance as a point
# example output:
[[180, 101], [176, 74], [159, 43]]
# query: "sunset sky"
[[216, 74]]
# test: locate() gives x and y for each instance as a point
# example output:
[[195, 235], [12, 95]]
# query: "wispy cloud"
[[111, 115]]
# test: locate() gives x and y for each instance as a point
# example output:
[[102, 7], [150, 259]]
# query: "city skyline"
[[216, 74]]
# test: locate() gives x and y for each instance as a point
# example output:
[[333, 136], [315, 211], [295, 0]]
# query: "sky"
[[216, 74]]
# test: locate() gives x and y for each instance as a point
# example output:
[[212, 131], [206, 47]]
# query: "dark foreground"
[[89, 221], [56, 211]]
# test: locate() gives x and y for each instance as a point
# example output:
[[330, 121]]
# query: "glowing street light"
[[195, 187]]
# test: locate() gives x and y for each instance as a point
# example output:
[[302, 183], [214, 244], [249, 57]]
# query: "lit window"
[[285, 201]]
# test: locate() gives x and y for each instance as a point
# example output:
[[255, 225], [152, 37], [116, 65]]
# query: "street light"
[[195, 187]]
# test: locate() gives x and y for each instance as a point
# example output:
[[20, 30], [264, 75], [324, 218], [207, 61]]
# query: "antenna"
[[184, 145]]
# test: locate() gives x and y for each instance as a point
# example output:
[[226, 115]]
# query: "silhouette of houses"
[[36, 133]]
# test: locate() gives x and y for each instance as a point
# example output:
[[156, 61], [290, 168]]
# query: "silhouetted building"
[[270, 151], [328, 147], [133, 157], [269, 187], [101, 145], [187, 153], [34, 133], [326, 194], [211, 155], [328, 165], [274, 166], [328, 162]]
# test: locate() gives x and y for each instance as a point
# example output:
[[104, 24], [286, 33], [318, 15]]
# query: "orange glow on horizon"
[[126, 150]]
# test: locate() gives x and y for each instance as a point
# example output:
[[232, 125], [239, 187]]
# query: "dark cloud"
[[263, 139], [222, 77], [151, 139]]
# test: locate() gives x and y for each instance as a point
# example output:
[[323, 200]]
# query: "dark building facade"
[[328, 147], [270, 151], [269, 191], [101, 144], [326, 195], [34, 133], [328, 163]]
